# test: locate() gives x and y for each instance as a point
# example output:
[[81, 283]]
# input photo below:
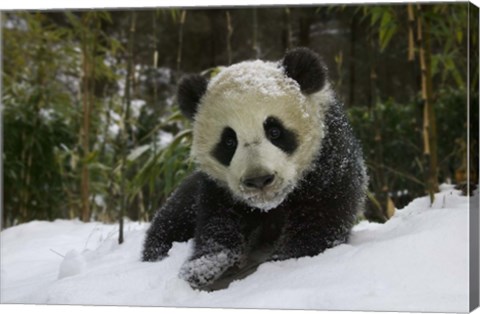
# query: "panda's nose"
[[258, 182]]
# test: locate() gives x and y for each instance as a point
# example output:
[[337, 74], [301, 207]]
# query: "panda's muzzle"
[[258, 182], [265, 191]]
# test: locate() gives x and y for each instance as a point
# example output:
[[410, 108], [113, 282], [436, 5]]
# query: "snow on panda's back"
[[257, 132]]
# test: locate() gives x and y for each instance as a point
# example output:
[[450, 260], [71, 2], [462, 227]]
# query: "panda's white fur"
[[241, 97]]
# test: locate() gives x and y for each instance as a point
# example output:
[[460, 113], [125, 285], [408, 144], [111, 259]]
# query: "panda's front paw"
[[203, 271], [153, 254]]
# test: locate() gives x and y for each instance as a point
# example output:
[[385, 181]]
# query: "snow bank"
[[417, 261]]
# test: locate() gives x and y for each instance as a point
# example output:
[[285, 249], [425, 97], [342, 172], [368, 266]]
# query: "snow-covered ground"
[[417, 261]]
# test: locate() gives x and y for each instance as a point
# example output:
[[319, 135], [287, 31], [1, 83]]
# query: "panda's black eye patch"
[[280, 136], [225, 148], [274, 133]]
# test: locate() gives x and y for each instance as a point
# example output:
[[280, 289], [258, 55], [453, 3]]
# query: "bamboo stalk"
[[411, 39], [125, 128], [352, 62], [91, 98], [155, 97], [429, 132], [229, 37], [183, 17], [255, 48], [84, 183], [288, 28], [425, 131], [431, 113], [23, 177], [390, 207]]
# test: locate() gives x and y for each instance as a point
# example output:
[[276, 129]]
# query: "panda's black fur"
[[232, 238]]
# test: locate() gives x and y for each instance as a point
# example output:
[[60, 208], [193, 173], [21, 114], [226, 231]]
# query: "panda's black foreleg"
[[298, 246], [309, 234], [218, 245], [174, 222], [219, 242]]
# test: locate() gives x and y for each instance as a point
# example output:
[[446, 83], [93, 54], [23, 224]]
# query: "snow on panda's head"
[[258, 125]]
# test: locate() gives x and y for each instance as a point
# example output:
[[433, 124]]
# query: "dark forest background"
[[91, 126]]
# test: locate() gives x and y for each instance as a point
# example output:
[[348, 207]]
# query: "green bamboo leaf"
[[388, 28], [99, 166], [376, 14], [457, 76], [459, 35], [90, 157], [73, 20], [168, 175], [137, 152], [176, 116], [388, 35]]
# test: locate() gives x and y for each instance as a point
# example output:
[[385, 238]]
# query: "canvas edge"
[[473, 132]]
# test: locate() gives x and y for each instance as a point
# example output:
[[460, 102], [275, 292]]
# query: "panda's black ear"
[[307, 68], [190, 90]]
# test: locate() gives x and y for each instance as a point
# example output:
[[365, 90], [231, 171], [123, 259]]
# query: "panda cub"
[[280, 173]]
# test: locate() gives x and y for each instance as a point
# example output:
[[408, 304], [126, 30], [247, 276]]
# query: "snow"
[[73, 264], [164, 138], [46, 114], [114, 126], [267, 78], [417, 261], [163, 75], [136, 106]]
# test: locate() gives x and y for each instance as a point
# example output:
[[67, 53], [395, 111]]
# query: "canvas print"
[[320, 157]]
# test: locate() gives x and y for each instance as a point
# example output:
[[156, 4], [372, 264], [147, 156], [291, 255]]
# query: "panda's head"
[[258, 125]]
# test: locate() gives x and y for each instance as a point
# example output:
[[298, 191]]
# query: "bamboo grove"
[[92, 130]]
